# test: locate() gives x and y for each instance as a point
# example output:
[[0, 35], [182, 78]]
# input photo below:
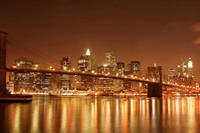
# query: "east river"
[[88, 114]]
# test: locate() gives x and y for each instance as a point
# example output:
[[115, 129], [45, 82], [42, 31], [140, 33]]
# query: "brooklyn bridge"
[[154, 87]]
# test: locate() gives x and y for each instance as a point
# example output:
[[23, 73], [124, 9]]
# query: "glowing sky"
[[152, 31]]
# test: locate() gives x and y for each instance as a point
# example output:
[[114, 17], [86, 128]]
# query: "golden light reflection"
[[63, 121], [17, 120], [49, 120], [143, 112], [191, 114], [117, 105], [35, 121], [107, 117], [125, 116], [104, 114], [153, 112], [177, 110], [94, 116]]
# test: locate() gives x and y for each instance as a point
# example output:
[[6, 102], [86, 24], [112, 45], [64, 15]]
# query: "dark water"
[[102, 115]]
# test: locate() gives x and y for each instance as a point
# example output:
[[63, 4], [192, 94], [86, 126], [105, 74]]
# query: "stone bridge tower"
[[155, 89], [3, 41]]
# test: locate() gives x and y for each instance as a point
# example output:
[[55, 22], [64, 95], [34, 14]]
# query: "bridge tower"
[[155, 89], [3, 41]]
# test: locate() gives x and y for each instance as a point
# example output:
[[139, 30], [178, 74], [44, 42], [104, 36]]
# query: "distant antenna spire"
[[88, 52], [190, 64]]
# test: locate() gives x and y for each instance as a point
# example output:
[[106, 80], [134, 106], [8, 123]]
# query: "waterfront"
[[101, 115]]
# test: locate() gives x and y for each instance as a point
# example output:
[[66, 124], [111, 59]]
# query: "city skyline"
[[145, 31], [87, 52], [88, 63], [100, 66]]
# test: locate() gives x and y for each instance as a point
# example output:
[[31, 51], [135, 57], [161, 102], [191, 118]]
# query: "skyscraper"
[[25, 63], [185, 69], [190, 68], [120, 67], [135, 66], [111, 60], [65, 80], [171, 75], [65, 63], [24, 82], [86, 62]]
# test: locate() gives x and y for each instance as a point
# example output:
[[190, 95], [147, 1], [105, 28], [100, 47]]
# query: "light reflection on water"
[[101, 115]]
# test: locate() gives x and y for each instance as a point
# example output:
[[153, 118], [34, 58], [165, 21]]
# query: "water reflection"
[[102, 115]]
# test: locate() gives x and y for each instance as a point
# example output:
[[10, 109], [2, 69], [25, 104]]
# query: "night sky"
[[152, 31]]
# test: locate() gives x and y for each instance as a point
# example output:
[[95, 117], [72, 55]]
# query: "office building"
[[65, 63], [87, 62], [135, 66]]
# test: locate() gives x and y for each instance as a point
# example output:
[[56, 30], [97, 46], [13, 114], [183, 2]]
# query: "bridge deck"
[[88, 74]]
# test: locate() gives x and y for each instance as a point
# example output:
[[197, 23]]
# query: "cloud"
[[197, 41], [196, 27]]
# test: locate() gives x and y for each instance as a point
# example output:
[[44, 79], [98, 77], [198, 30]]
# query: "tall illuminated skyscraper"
[[65, 80], [190, 68], [87, 62], [171, 74], [88, 53], [190, 64], [120, 67], [185, 72], [111, 60], [185, 69]]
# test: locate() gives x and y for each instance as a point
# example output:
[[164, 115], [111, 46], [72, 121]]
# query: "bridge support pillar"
[[3, 41], [155, 89]]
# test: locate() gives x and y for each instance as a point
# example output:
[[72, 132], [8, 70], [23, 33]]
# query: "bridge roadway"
[[129, 78]]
